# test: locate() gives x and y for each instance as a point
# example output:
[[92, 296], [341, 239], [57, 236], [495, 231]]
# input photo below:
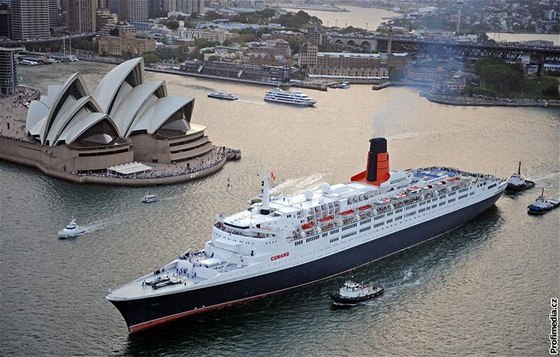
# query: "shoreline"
[[113, 181], [498, 102]]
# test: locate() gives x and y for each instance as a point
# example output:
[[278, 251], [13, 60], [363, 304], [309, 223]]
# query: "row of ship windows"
[[349, 226], [334, 231]]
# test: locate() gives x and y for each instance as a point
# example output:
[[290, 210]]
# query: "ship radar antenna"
[[265, 205]]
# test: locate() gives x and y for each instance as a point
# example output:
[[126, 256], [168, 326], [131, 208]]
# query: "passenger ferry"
[[223, 95], [286, 242], [295, 98]]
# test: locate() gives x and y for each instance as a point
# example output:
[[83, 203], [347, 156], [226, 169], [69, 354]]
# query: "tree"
[[203, 43], [151, 57], [181, 18], [182, 53], [189, 24], [172, 24]]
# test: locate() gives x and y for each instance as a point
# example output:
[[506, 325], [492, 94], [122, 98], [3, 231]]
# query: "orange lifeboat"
[[326, 219], [363, 208], [307, 225], [347, 213]]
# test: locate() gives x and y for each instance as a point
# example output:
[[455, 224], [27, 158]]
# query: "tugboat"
[[71, 230], [516, 183], [542, 205], [150, 197], [352, 293], [223, 95]]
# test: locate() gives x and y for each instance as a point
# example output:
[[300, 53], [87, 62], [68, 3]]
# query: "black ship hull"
[[141, 314]]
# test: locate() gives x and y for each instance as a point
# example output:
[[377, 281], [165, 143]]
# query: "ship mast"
[[265, 205]]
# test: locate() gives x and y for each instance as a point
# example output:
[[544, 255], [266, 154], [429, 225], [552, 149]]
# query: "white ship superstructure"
[[317, 234]]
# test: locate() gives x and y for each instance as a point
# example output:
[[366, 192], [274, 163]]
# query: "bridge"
[[450, 48]]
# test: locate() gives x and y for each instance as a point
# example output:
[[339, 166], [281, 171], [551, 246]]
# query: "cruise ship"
[[295, 98], [287, 242]]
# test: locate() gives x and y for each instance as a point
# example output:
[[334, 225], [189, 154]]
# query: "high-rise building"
[[55, 10], [113, 6], [190, 6], [133, 10], [169, 6], [155, 9], [30, 19], [8, 69], [5, 21], [102, 4], [80, 16]]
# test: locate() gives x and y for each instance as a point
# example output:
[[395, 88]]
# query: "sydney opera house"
[[123, 120]]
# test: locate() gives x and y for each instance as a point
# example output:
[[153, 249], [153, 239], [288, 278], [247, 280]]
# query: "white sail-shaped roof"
[[74, 88], [107, 89], [122, 98], [135, 103], [38, 111], [84, 105], [78, 127], [161, 111]]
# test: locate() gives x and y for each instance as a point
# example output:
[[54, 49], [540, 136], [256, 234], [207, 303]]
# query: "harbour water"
[[370, 18], [482, 289]]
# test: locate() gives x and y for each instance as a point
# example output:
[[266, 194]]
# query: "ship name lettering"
[[279, 256]]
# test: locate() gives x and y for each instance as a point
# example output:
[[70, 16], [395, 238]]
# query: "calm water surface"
[[481, 289], [370, 18]]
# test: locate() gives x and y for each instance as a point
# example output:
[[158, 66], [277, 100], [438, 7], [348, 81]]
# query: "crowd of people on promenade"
[[217, 155], [13, 113]]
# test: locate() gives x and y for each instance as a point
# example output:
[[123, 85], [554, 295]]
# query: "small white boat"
[[353, 293], [223, 95], [150, 197], [71, 230]]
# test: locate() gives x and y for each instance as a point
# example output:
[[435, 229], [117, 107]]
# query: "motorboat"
[[353, 293], [71, 230], [223, 95], [339, 85], [542, 205], [150, 197], [517, 183]]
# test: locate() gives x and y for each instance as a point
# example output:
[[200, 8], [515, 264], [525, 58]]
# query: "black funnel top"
[[376, 146]]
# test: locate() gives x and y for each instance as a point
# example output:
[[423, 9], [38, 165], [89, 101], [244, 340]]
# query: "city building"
[[30, 19], [315, 35], [55, 12], [208, 34], [124, 119], [191, 6], [133, 10], [124, 43], [103, 18], [155, 8], [8, 69], [169, 6], [81, 16], [5, 21], [308, 56]]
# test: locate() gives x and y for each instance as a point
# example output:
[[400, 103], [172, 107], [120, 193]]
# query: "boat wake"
[[292, 186]]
